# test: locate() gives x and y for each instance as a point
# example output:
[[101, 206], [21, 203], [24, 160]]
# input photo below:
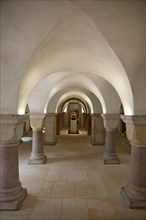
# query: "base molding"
[[134, 199], [111, 158], [14, 204], [37, 160]]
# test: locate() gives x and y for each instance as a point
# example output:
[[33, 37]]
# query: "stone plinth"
[[110, 123], [50, 129], [97, 130], [135, 190], [11, 192]]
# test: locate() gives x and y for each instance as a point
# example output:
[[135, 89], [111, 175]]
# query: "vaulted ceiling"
[[92, 50]]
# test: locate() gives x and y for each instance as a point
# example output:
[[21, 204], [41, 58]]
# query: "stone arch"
[[76, 47]]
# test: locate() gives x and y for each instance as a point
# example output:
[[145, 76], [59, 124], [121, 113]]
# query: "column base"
[[13, 204], [37, 159], [134, 199], [110, 158]]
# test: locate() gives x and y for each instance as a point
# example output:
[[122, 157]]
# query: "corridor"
[[74, 183]]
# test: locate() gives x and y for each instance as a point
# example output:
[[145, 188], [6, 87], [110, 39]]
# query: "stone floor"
[[74, 184]]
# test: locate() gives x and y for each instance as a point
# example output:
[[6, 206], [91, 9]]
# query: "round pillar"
[[97, 131], [135, 190], [58, 124], [110, 123], [88, 124], [50, 129], [11, 192], [37, 155]]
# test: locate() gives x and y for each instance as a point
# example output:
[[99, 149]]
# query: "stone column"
[[97, 130], [50, 129], [58, 124], [88, 124], [37, 155], [135, 190], [61, 120], [110, 123], [83, 120], [11, 192]]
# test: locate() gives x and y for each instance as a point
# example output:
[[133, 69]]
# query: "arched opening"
[[72, 111]]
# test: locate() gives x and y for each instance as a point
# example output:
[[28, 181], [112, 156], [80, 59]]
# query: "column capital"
[[134, 119], [110, 121], [136, 128], [36, 120], [11, 129]]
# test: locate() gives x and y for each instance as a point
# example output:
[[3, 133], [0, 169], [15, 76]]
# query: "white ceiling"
[[88, 46]]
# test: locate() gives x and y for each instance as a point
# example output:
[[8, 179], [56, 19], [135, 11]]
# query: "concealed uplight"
[[21, 111], [65, 109], [83, 110], [127, 110]]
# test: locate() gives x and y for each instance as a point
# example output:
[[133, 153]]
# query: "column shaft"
[[110, 156], [110, 146], [88, 124], [110, 123], [9, 159], [135, 190], [37, 155], [50, 129], [58, 124], [138, 166], [11, 192], [97, 131]]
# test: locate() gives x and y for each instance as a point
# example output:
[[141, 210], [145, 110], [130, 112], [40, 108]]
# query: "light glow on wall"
[[65, 109], [82, 109], [21, 111]]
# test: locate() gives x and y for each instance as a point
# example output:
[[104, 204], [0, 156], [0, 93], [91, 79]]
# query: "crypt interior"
[[73, 110]]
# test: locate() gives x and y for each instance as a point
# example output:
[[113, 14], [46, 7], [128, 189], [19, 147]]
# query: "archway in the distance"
[[73, 116]]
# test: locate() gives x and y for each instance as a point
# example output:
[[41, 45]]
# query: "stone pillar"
[[110, 123], [97, 130], [58, 124], [11, 192], [37, 155], [88, 124], [135, 190], [83, 120], [61, 120], [50, 129]]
